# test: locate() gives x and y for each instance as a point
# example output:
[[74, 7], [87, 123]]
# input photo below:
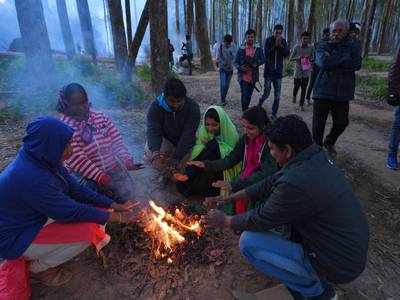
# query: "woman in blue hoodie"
[[39, 200]]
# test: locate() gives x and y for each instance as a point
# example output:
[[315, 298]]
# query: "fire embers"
[[169, 232]]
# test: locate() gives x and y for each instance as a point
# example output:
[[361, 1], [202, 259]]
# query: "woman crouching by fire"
[[99, 159], [252, 152], [46, 217]]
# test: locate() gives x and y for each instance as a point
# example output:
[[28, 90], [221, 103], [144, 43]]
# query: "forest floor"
[[130, 274]]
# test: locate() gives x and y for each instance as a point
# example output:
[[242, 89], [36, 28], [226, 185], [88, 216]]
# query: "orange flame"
[[167, 230]]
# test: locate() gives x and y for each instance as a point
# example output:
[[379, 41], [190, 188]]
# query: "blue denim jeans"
[[394, 139], [282, 259], [268, 82], [246, 90], [224, 80]]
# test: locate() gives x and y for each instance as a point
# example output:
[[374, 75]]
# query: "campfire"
[[170, 232]]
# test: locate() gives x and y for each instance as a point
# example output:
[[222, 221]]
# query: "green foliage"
[[375, 65], [144, 72], [288, 68], [373, 86]]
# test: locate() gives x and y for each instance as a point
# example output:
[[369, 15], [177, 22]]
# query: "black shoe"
[[331, 150], [328, 294]]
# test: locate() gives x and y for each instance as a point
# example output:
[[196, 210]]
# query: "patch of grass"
[[375, 65], [373, 86], [144, 72], [10, 113]]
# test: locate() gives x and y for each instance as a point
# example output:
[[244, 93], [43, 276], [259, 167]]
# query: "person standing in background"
[[225, 57], [302, 55]]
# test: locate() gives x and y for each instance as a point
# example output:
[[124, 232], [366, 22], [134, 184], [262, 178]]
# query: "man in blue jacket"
[[275, 50], [338, 59], [248, 60], [35, 188]]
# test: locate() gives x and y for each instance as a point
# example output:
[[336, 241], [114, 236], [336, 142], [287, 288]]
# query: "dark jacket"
[[177, 127], [394, 77], [268, 165], [257, 60], [336, 79], [313, 196], [274, 57], [35, 187]]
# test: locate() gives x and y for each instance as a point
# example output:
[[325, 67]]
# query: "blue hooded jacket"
[[35, 186]]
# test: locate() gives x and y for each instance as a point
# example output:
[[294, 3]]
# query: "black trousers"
[[310, 88], [340, 120], [300, 83]]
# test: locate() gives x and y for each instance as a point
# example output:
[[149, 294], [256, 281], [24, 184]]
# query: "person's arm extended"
[[394, 76], [154, 129], [188, 136], [229, 161], [286, 204]]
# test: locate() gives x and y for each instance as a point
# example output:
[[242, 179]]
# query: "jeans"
[[300, 83], [225, 80], [246, 89], [394, 139], [340, 120], [277, 82], [283, 260]]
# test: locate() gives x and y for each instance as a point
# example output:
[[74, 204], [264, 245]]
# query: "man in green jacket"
[[330, 235]]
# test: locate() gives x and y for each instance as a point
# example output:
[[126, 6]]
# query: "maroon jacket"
[[394, 76]]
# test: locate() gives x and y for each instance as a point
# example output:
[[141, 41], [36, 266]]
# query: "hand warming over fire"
[[196, 163], [223, 185], [213, 202], [127, 206], [216, 219]]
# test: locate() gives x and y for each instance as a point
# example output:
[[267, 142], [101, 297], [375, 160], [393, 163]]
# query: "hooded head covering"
[[45, 141], [227, 140]]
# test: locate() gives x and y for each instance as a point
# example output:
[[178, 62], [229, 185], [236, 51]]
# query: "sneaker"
[[53, 277], [391, 162], [331, 150]]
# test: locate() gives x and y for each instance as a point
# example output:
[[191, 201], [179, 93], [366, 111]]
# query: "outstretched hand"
[[214, 202], [127, 206], [223, 185], [196, 163], [216, 219]]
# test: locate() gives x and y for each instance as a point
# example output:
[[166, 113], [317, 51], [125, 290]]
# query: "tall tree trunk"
[[250, 14], [118, 33], [370, 23], [202, 36], [35, 41], [214, 15], [349, 7], [299, 18], [335, 13], [135, 11], [86, 28], [139, 34], [189, 17], [65, 29], [259, 21], [235, 17], [177, 17], [290, 29], [128, 21], [158, 43], [385, 20], [364, 19], [312, 18]]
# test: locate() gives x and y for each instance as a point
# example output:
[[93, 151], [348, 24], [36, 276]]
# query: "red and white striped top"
[[105, 152]]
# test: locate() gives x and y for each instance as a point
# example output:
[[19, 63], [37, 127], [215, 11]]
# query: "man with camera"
[[394, 99]]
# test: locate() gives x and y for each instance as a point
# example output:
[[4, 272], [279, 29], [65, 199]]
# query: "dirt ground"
[[362, 153]]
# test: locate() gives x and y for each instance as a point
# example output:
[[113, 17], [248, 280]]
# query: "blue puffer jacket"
[[257, 60], [337, 62], [274, 57], [35, 186]]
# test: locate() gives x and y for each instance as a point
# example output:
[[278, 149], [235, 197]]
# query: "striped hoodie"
[[103, 153]]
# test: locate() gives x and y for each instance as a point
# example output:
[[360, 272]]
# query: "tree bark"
[[335, 13], [311, 24], [259, 21], [86, 28], [235, 17], [299, 18], [202, 37], [118, 33], [370, 23], [348, 12], [189, 17], [250, 14], [35, 41], [158, 43], [177, 17], [290, 29], [385, 21], [128, 21], [139, 34], [66, 29], [364, 19]]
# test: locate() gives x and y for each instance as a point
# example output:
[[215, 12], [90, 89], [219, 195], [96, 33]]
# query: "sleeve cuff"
[[238, 222]]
